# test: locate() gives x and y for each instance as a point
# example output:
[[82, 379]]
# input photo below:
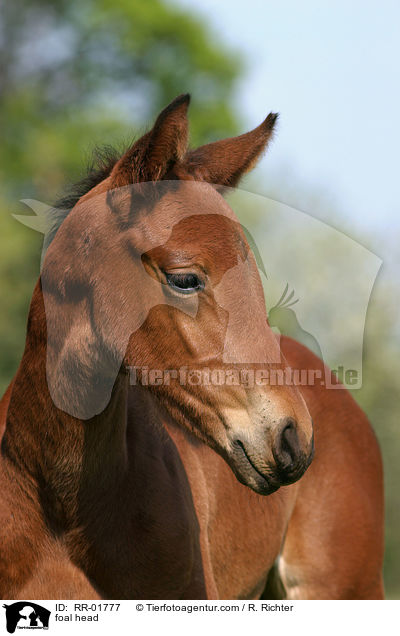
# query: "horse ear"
[[151, 157], [224, 162]]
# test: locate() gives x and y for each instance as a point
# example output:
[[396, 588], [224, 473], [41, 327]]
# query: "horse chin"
[[267, 479], [259, 484], [248, 474]]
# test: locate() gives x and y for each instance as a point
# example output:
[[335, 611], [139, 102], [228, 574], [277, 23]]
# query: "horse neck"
[[57, 457], [92, 483]]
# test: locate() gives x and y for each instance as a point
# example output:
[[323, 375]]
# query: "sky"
[[331, 69]]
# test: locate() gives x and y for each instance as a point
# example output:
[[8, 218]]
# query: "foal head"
[[152, 271]]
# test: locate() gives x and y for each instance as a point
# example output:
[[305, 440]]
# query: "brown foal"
[[114, 488]]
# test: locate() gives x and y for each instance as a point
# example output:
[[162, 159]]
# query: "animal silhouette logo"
[[284, 318], [26, 615]]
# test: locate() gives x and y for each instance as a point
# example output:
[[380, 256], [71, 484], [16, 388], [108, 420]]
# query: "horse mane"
[[102, 161]]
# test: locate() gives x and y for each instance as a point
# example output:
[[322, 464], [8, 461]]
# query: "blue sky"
[[332, 71]]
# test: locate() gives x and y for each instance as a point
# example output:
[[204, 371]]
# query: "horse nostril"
[[286, 446]]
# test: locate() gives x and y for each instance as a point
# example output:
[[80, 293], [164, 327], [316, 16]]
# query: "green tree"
[[78, 74]]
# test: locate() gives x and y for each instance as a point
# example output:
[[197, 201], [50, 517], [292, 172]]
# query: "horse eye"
[[185, 283]]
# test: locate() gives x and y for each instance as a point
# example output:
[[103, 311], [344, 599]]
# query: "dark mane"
[[102, 161]]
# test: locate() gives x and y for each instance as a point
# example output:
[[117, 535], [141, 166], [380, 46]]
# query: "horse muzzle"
[[267, 462]]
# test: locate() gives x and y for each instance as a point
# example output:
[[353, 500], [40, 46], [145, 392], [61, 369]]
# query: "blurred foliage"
[[379, 397], [79, 73]]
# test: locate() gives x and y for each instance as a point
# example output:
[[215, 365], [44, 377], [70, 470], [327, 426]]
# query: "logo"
[[325, 275], [26, 615]]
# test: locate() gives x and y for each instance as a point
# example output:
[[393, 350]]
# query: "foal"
[[158, 490]]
